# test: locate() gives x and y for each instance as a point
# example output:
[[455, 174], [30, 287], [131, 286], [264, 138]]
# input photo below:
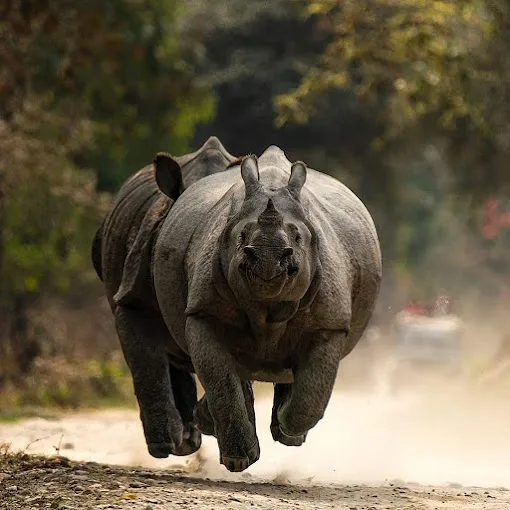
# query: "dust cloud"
[[372, 437], [449, 431]]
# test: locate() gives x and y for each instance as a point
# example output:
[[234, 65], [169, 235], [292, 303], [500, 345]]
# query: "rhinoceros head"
[[174, 173], [271, 247]]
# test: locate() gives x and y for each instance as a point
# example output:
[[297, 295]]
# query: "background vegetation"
[[406, 101]]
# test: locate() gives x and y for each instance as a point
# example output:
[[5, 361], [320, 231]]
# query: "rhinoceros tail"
[[96, 252]]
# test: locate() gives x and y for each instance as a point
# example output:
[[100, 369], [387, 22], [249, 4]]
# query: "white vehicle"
[[423, 345]]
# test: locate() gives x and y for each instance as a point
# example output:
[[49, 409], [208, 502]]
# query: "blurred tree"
[[49, 214], [426, 69], [120, 63], [83, 85]]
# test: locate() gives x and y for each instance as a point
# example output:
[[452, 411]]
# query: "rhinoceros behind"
[[268, 271], [122, 256]]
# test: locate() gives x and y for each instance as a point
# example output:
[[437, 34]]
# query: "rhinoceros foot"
[[281, 437], [160, 450], [237, 464], [191, 442]]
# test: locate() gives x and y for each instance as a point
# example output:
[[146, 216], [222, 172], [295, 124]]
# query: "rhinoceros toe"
[[160, 450], [191, 442], [288, 440], [238, 464]]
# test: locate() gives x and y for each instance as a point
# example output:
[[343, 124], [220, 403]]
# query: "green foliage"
[[91, 84], [119, 64], [426, 69], [409, 59], [50, 208], [59, 383], [89, 92]]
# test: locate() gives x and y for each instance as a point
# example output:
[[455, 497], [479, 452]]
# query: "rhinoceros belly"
[[282, 376]]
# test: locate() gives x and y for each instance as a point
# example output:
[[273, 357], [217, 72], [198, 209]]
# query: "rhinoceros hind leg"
[[203, 417], [185, 395], [140, 334]]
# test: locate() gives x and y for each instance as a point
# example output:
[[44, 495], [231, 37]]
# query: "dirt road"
[[35, 483], [371, 451]]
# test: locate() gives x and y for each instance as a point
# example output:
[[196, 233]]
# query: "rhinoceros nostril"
[[250, 251], [292, 270], [287, 252]]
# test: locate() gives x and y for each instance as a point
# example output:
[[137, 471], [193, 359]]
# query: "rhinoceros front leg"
[[203, 417], [237, 439], [140, 335], [282, 393], [299, 406]]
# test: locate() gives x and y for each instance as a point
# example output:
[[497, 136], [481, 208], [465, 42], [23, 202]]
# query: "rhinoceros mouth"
[[271, 279], [288, 272]]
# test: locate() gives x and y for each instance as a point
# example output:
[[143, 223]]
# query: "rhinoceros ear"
[[168, 175], [297, 178], [250, 173]]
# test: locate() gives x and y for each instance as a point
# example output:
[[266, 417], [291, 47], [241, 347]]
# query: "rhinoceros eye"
[[294, 232], [243, 236]]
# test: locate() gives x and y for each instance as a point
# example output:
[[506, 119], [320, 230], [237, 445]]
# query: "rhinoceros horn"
[[270, 217]]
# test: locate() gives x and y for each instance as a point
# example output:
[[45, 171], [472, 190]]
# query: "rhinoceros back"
[[125, 237]]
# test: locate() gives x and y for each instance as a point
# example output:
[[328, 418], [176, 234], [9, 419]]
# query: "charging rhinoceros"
[[268, 271], [122, 256]]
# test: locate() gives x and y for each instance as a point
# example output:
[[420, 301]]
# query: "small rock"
[[35, 499], [81, 472], [12, 488], [137, 485], [80, 477]]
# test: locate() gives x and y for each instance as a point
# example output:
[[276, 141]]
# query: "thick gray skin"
[[272, 290], [122, 256]]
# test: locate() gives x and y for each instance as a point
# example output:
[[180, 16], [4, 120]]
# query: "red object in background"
[[494, 220], [414, 308]]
